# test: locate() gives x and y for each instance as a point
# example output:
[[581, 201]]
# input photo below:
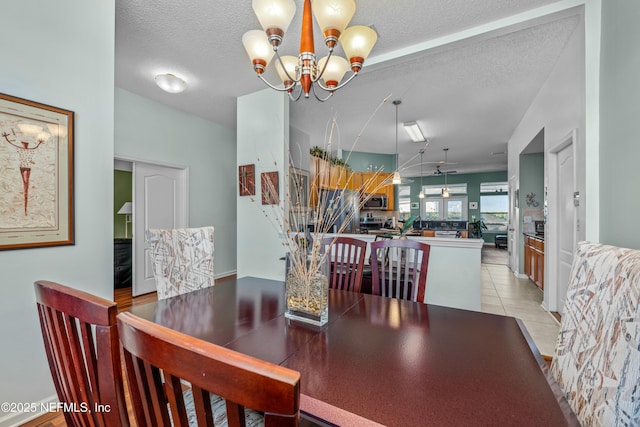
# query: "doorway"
[[563, 219], [159, 200]]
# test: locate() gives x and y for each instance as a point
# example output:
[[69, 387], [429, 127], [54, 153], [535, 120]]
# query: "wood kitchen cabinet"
[[534, 259], [324, 176], [372, 183]]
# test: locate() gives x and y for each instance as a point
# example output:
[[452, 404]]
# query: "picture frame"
[[415, 205], [36, 171], [473, 205], [270, 188], [247, 180]]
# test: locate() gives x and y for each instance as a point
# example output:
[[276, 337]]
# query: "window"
[[494, 187], [404, 199], [450, 209], [494, 206], [436, 190], [432, 209]]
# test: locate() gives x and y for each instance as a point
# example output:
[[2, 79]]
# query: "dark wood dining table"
[[380, 361]]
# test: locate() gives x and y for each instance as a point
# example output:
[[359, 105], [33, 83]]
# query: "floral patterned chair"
[[182, 259], [597, 358]]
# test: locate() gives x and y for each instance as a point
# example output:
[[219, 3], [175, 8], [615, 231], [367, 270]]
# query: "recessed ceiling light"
[[170, 83]]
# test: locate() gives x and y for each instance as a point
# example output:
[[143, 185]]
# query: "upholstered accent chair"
[[182, 259], [597, 357]]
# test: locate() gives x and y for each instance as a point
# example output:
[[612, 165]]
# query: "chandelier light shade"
[[397, 178], [445, 190], [170, 83], [274, 16], [303, 74], [258, 48], [335, 67], [357, 42]]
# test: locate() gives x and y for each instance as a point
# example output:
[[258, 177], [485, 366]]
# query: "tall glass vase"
[[306, 288]]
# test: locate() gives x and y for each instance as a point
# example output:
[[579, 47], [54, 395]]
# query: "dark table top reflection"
[[386, 360]]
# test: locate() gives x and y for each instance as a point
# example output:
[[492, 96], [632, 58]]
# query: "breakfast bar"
[[453, 278]]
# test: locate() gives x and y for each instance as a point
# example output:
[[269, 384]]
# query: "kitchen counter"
[[534, 236]]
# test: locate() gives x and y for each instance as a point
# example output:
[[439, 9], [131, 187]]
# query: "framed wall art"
[[36, 174], [247, 180], [270, 188]]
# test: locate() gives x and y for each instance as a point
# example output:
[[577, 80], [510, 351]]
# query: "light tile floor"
[[503, 293]]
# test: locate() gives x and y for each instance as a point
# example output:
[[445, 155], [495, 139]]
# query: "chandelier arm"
[[295, 98], [285, 70], [319, 76], [280, 89], [313, 87], [340, 86]]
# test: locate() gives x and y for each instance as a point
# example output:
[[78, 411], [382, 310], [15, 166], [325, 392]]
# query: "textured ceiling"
[[467, 96]]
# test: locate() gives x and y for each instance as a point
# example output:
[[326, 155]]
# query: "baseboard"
[[225, 274], [19, 418]]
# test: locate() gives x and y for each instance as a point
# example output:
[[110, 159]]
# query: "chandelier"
[[302, 74]]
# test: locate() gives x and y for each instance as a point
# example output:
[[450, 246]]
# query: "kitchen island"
[[453, 277]]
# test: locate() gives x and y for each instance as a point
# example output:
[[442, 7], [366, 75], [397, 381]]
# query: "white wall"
[[59, 53], [263, 140], [150, 131], [558, 108]]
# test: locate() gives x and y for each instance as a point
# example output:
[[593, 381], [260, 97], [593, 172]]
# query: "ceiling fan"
[[438, 171]]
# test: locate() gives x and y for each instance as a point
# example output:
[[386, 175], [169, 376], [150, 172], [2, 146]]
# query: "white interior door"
[[567, 225], [160, 200], [512, 247]]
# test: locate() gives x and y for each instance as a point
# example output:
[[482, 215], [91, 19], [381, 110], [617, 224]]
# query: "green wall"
[[473, 181], [360, 161], [619, 112], [531, 180], [121, 193]]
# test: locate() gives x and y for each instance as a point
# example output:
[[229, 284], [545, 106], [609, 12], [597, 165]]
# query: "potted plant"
[[476, 227], [408, 225]]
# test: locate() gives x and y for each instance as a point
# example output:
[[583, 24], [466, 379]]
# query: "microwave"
[[375, 202]]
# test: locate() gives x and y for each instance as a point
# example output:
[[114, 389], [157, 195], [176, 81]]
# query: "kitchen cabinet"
[[325, 176], [372, 183], [534, 259]]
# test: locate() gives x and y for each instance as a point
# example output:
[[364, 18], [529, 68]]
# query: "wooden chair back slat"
[[81, 342], [399, 268], [346, 258], [243, 381]]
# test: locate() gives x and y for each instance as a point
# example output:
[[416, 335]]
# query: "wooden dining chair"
[[399, 268], [345, 256], [81, 341], [182, 259], [597, 357], [223, 383]]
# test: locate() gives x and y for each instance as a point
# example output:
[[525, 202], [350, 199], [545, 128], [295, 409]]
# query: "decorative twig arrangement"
[[306, 252]]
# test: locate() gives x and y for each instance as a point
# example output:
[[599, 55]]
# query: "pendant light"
[[397, 179], [445, 190], [421, 194]]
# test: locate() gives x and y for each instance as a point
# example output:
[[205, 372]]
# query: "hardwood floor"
[[125, 301]]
